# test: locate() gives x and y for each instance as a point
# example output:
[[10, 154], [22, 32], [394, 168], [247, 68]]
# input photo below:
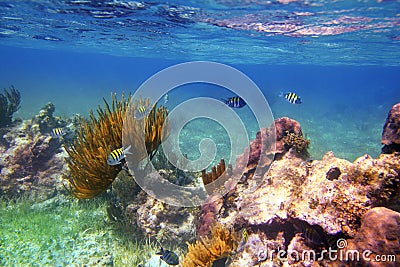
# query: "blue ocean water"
[[341, 57]]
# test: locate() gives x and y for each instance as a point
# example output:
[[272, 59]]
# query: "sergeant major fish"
[[235, 102], [245, 237], [115, 157], [58, 132], [292, 98], [312, 236], [142, 111]]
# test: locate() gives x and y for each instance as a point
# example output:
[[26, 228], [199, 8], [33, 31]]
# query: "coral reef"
[[208, 216], [391, 131], [125, 187], [90, 173], [380, 234], [221, 242], [31, 164], [160, 221], [268, 145], [300, 203], [46, 121], [9, 104]]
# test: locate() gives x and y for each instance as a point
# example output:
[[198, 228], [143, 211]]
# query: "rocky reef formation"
[[32, 162], [45, 121], [304, 205], [377, 242], [391, 131], [161, 222], [136, 210]]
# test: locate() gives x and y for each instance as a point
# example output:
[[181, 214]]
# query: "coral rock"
[[269, 144], [298, 189], [31, 165], [391, 131], [208, 216], [327, 196], [283, 125], [380, 234], [46, 119], [163, 222]]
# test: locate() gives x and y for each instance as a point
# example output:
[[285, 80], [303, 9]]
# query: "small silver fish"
[[117, 155], [166, 99]]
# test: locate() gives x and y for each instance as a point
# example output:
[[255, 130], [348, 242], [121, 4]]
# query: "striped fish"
[[242, 243], [292, 98], [312, 236], [235, 102], [142, 111], [117, 155], [57, 132], [245, 235], [168, 256]]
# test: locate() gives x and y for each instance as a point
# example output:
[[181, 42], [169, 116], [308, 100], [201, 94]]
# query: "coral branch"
[[9, 104]]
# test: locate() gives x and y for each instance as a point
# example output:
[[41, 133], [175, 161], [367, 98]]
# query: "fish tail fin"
[[224, 100], [281, 94], [126, 150], [160, 252]]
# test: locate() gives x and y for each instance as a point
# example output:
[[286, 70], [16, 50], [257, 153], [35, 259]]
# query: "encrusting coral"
[[9, 104], [220, 243], [90, 173], [296, 141]]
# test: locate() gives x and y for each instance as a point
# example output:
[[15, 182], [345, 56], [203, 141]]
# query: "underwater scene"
[[200, 133]]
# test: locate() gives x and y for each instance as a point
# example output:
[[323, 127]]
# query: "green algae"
[[70, 233]]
